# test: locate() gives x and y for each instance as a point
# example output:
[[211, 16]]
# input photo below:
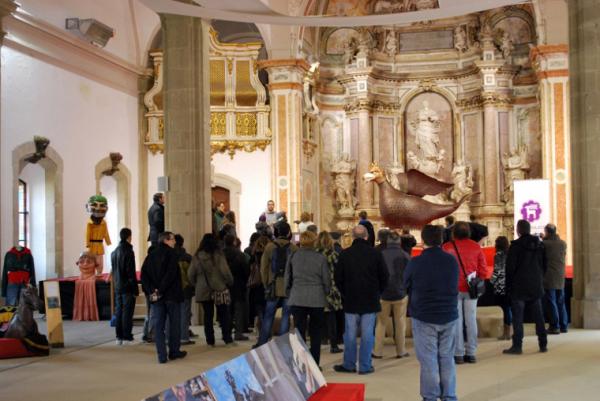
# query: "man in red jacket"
[[471, 262]]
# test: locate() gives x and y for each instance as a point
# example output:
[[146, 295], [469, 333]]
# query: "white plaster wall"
[[133, 23], [156, 168], [253, 170], [35, 178], [84, 121], [108, 187]]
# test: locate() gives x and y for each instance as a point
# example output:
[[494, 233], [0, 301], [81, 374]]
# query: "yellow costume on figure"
[[97, 230]]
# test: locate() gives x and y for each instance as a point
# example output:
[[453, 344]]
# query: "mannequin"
[[97, 230], [19, 270], [85, 306]]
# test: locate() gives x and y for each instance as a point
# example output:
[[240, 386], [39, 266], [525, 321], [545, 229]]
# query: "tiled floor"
[[92, 367]]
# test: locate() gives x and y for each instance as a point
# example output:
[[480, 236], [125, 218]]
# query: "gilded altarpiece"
[[452, 98]]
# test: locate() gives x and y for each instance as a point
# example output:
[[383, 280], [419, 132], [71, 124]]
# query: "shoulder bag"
[[476, 285], [222, 297]]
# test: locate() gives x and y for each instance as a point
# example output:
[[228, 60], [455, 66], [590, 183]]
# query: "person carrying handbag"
[[211, 277], [473, 270]]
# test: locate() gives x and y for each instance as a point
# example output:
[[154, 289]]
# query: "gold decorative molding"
[[358, 105], [245, 94], [308, 148], [286, 85], [218, 123], [156, 148], [293, 62], [496, 99], [217, 82], [232, 146], [245, 124]]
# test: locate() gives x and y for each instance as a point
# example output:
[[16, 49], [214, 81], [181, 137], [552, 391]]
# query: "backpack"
[[279, 259]]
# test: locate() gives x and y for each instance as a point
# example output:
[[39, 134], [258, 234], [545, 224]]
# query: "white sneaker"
[[119, 342], [128, 342]]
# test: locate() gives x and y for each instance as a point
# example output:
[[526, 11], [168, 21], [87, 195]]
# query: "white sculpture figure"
[[460, 39], [507, 46], [516, 167], [391, 44], [344, 170], [426, 130], [349, 50], [462, 177]]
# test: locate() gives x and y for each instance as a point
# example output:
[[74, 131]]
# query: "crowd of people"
[[338, 295]]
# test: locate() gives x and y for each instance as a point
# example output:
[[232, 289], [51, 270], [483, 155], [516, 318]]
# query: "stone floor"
[[93, 367]]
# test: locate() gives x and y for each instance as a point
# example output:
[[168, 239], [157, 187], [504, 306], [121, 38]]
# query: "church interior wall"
[[84, 122], [253, 170], [133, 23]]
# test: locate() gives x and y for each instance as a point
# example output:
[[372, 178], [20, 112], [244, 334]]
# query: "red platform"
[[13, 348], [340, 392]]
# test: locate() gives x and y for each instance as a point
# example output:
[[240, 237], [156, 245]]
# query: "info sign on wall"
[[532, 203]]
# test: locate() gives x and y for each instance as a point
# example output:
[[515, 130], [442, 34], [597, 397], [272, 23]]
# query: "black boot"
[[513, 350]]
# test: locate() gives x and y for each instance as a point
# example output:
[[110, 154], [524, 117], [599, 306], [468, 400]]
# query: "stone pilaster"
[[551, 63], [187, 134], [286, 80], [6, 8], [584, 70]]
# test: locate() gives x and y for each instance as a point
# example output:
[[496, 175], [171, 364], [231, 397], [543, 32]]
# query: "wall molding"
[[45, 42]]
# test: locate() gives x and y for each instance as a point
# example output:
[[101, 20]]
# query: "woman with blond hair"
[[333, 310], [307, 283], [305, 222]]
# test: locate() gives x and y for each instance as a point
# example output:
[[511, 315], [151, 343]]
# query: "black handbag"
[[476, 285]]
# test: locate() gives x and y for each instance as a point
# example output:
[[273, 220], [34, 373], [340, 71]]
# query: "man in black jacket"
[[525, 267], [238, 265], [125, 286], [361, 276], [161, 281], [156, 218]]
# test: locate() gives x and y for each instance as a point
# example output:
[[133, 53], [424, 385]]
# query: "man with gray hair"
[[361, 276]]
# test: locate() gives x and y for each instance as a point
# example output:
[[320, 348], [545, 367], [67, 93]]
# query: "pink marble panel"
[[504, 132], [533, 140], [385, 137]]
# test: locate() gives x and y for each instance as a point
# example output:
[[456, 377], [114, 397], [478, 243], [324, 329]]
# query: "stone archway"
[[52, 165], [235, 191], [123, 179]]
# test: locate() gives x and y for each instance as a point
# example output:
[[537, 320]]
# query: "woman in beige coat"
[[210, 274]]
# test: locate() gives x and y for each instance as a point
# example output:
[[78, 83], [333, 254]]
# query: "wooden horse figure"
[[22, 323]]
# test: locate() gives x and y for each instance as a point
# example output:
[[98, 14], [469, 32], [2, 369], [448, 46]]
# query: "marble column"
[[584, 70], [496, 98], [551, 63], [286, 77], [187, 135], [6, 8]]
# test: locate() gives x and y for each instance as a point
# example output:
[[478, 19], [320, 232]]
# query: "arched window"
[[23, 214]]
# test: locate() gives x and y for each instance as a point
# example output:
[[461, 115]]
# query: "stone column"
[[495, 96], [551, 63], [286, 77], [584, 39], [6, 8], [364, 190], [187, 134]]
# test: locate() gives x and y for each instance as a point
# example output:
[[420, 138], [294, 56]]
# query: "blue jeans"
[[124, 306], [13, 291], [367, 340], [162, 310], [467, 312], [269, 317], [434, 346], [556, 310], [186, 318]]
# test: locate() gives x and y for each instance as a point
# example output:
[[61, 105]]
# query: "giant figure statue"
[[97, 230], [405, 208]]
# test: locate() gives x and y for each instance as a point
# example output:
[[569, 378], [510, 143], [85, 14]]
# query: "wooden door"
[[220, 194]]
